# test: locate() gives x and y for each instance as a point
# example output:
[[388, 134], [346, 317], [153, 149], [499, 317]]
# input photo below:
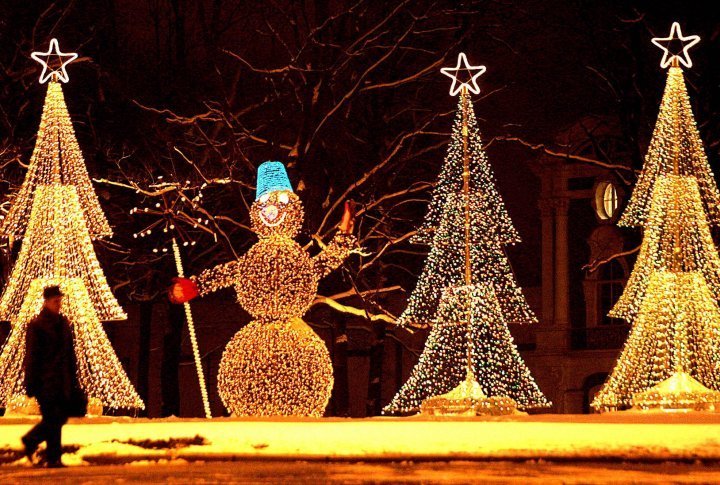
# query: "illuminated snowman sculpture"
[[276, 365]]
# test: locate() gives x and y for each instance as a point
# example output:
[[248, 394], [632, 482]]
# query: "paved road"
[[264, 472]]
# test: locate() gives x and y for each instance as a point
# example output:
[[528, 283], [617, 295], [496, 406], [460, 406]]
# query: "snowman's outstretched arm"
[[221, 276], [337, 250], [340, 246]]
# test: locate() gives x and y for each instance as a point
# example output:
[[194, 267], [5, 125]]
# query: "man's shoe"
[[29, 450]]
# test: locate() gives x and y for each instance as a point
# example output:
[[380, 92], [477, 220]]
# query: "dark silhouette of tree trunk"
[[143, 373], [373, 405], [169, 372], [340, 399]]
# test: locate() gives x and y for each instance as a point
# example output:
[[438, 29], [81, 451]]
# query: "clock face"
[[607, 201]]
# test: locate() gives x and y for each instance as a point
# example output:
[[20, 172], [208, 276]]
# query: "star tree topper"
[[675, 46], [463, 70], [49, 61]]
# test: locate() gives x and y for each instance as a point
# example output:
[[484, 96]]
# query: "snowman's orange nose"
[[270, 213]]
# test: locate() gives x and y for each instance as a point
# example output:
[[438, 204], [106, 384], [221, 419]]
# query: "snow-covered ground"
[[619, 436]]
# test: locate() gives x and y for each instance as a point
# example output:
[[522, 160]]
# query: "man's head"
[[53, 298]]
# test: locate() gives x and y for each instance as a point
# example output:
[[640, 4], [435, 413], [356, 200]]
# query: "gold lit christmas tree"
[[54, 202], [467, 291], [56, 157], [671, 359]]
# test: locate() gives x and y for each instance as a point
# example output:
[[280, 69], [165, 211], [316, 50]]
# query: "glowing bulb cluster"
[[490, 230], [676, 330], [275, 369], [675, 146], [676, 233], [482, 179], [469, 314], [100, 373], [468, 294], [57, 245], [57, 213]]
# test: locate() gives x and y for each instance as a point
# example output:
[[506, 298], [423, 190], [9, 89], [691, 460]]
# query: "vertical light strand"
[[193, 336], [466, 201]]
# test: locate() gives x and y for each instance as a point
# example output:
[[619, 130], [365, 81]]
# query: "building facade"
[[585, 260]]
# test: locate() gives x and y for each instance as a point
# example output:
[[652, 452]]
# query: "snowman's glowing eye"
[[264, 198], [283, 198]]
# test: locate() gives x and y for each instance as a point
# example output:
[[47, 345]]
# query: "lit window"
[[606, 200]]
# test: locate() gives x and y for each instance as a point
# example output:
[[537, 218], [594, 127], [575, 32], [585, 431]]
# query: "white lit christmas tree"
[[671, 359], [56, 213], [467, 291], [466, 167]]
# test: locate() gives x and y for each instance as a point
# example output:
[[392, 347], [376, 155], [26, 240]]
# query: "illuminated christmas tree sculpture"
[[56, 157], [445, 266], [50, 213], [467, 291], [671, 359]]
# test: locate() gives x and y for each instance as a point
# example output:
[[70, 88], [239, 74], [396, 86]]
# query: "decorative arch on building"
[[592, 385]]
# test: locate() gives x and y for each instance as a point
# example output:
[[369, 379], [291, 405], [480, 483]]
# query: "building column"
[[562, 277], [547, 212]]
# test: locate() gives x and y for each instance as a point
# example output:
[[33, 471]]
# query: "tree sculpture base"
[[21, 405], [468, 399], [679, 392], [276, 369]]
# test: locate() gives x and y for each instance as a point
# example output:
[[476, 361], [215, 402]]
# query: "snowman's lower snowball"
[[271, 369]]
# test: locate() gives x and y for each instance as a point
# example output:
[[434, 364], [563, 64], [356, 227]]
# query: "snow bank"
[[628, 436]]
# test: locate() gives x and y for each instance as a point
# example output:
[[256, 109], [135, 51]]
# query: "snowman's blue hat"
[[271, 176]]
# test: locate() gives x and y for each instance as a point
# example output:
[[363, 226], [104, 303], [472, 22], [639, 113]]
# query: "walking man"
[[50, 377]]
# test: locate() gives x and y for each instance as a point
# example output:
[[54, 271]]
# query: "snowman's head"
[[277, 213]]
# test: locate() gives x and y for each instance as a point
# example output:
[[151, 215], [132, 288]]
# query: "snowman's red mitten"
[[182, 290]]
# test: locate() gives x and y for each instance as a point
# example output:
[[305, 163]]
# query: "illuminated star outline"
[[457, 85], [664, 43], [54, 50]]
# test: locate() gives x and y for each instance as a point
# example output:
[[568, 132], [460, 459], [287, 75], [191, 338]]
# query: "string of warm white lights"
[[173, 213], [57, 159], [57, 212], [445, 264], [482, 179], [276, 369], [193, 336], [496, 364], [100, 373], [467, 291], [677, 330], [676, 210]]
